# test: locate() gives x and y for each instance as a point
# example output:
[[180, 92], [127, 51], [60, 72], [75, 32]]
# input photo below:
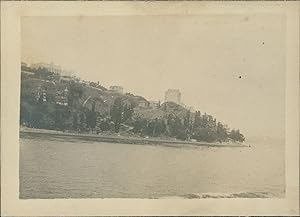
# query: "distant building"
[[85, 83], [51, 67], [143, 104], [190, 108], [27, 72], [23, 64], [54, 77], [41, 94], [70, 73], [154, 104], [62, 97], [66, 78], [173, 95], [116, 89]]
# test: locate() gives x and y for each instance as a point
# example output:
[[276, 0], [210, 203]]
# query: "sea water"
[[66, 167]]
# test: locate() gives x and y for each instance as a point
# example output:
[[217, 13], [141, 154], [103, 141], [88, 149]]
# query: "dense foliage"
[[122, 115]]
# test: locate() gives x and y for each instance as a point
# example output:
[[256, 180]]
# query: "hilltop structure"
[[116, 89], [51, 67], [173, 95], [50, 100]]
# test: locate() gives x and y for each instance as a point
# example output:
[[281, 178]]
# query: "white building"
[[173, 95], [27, 72], [190, 108], [116, 89], [62, 97], [143, 104], [65, 78], [23, 64], [51, 67], [70, 73], [154, 104]]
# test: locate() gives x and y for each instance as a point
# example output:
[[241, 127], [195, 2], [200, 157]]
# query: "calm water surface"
[[61, 167]]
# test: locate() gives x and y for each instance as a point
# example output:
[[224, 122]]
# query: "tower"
[[173, 95]]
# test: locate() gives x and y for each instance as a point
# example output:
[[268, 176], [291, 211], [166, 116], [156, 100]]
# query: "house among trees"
[[51, 67], [41, 95], [54, 77], [27, 73], [65, 78], [143, 104], [116, 89], [61, 97], [173, 95], [154, 104], [23, 64], [51, 100]]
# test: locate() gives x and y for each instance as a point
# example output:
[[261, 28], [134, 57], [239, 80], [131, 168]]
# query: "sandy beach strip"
[[122, 139]]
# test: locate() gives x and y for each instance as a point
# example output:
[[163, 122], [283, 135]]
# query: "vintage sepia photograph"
[[149, 108], [152, 107]]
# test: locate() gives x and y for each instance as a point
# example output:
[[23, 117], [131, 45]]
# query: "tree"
[[25, 114], [221, 132], [188, 124], [176, 127], [75, 92], [235, 135], [127, 112], [201, 134], [140, 125], [116, 113], [197, 119], [76, 121], [160, 127], [60, 115], [104, 124], [82, 118], [91, 118], [42, 73]]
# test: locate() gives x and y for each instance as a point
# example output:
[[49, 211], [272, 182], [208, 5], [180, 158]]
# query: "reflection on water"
[[52, 167]]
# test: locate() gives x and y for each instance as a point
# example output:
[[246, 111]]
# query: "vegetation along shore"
[[54, 102], [119, 138]]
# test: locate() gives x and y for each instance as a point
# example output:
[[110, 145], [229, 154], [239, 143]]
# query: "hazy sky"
[[203, 56]]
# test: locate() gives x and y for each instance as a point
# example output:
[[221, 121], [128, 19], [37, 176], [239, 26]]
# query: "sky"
[[229, 66]]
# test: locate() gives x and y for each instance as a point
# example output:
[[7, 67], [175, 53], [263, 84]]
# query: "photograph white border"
[[11, 205]]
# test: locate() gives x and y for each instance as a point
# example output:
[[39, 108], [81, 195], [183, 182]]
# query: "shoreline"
[[124, 139]]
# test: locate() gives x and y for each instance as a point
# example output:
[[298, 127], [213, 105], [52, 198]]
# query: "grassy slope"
[[104, 99]]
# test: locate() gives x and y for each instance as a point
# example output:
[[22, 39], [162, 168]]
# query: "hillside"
[[51, 101], [165, 109]]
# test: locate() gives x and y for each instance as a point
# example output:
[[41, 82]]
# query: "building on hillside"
[[51, 67], [76, 79], [27, 73], [143, 104], [84, 82], [40, 94], [173, 95], [154, 104], [61, 97], [25, 70], [54, 77], [191, 109], [116, 89], [68, 73], [65, 78], [24, 64]]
